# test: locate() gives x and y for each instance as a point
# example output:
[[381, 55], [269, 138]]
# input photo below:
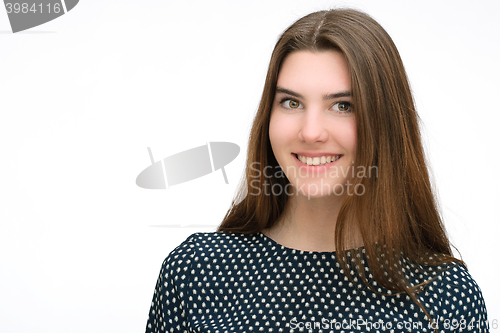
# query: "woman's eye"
[[343, 107], [291, 104]]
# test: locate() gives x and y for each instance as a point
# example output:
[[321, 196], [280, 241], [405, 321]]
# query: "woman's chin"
[[316, 190]]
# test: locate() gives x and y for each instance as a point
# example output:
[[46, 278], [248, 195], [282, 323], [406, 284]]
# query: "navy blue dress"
[[223, 282]]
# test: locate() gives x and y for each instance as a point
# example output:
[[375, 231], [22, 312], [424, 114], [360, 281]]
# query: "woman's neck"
[[308, 224]]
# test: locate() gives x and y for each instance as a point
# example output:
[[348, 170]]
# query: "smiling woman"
[[322, 245]]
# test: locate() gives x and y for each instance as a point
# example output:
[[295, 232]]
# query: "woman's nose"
[[313, 127]]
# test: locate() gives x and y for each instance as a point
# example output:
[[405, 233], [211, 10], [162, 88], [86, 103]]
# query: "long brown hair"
[[398, 209]]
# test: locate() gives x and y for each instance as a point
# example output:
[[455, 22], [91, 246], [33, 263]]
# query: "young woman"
[[336, 226]]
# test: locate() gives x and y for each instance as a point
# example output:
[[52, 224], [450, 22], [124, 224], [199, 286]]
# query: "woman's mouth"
[[317, 160]]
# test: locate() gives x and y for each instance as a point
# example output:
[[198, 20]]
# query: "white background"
[[83, 96]]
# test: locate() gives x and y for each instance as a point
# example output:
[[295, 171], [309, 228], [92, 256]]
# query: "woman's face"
[[312, 127]]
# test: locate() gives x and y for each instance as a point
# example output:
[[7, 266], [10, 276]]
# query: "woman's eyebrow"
[[337, 95], [289, 92], [325, 97]]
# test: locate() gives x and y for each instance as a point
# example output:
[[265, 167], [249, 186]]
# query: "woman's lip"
[[326, 165], [312, 155]]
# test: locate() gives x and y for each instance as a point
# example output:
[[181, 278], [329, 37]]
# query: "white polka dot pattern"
[[221, 282]]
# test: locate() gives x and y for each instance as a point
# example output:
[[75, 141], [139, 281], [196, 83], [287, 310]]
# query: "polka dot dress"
[[222, 282]]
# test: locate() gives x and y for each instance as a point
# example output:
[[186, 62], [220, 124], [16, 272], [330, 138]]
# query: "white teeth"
[[318, 160]]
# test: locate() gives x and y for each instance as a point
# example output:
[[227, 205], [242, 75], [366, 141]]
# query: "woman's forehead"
[[307, 72]]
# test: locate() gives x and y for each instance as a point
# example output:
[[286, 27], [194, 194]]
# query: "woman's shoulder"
[[211, 244], [219, 239], [456, 276], [210, 241], [458, 297], [454, 281]]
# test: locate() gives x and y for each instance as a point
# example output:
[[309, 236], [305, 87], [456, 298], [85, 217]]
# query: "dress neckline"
[[272, 241]]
